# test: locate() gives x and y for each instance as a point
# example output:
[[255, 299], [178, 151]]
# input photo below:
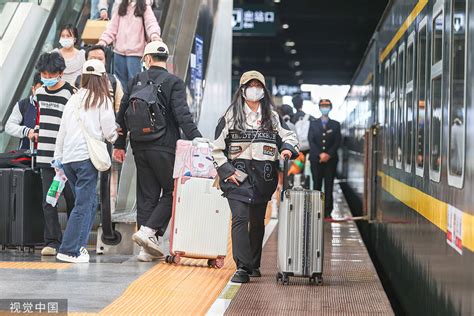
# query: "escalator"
[[28, 28]]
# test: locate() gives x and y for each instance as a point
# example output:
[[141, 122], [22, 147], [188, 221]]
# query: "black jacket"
[[177, 114], [324, 140]]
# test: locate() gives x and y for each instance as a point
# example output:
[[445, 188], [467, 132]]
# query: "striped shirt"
[[51, 104]]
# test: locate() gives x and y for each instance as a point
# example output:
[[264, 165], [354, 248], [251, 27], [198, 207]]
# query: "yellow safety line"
[[34, 265], [410, 19], [186, 289], [432, 209]]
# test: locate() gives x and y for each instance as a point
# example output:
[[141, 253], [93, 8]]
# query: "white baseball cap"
[[93, 67], [156, 47]]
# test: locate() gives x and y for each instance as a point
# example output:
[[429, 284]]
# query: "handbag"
[[97, 149], [217, 179]]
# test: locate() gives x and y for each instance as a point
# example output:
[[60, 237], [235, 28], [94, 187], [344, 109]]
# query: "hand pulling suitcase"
[[21, 210], [199, 222], [300, 234]]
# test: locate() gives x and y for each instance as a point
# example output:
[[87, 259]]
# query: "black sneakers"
[[240, 276], [255, 273]]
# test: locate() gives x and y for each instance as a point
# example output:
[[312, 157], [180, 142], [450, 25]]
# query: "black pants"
[[248, 229], [155, 187], [52, 229], [326, 171]]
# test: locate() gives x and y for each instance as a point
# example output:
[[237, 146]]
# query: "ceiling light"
[[276, 1], [289, 43], [285, 26], [298, 73], [297, 63], [293, 51]]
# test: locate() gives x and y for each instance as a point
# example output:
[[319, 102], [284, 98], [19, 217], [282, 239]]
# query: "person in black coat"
[[324, 139], [154, 159]]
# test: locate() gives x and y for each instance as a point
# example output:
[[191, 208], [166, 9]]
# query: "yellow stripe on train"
[[402, 30], [432, 209]]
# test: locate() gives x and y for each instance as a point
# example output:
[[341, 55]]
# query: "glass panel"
[[436, 112], [386, 111], [421, 90], [438, 38], [457, 119], [400, 104], [409, 67], [391, 143], [393, 77], [409, 128]]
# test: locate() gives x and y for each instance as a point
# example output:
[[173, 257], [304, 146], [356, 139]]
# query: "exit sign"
[[254, 20]]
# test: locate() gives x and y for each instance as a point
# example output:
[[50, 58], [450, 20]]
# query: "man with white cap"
[[154, 146]]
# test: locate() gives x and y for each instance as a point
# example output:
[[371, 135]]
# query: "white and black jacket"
[[259, 160]]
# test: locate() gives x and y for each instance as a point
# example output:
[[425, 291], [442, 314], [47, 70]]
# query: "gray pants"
[[248, 229]]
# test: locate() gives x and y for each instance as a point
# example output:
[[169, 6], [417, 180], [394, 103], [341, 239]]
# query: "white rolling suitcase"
[[199, 222], [300, 234]]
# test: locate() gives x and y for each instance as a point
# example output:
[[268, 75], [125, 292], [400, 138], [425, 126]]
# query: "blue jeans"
[[82, 177], [94, 10], [126, 67]]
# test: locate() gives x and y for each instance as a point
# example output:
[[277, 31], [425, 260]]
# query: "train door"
[[370, 157]]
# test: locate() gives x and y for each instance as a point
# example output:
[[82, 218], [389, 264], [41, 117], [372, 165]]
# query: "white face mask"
[[66, 42], [254, 94]]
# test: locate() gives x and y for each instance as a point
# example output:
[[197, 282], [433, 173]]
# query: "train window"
[[410, 62], [408, 115], [438, 38], [400, 104], [436, 106], [421, 96], [386, 100], [392, 119], [409, 130], [457, 104], [435, 132]]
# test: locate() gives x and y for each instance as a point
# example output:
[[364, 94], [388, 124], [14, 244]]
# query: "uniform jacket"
[[177, 114], [324, 140], [259, 160]]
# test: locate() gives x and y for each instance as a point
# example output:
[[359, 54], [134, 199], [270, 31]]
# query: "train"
[[406, 159]]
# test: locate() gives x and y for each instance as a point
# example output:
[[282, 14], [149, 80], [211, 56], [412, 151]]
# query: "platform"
[[119, 285]]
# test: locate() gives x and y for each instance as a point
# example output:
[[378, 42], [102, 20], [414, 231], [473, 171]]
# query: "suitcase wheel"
[[279, 277], [283, 277], [173, 259], [316, 279], [215, 263]]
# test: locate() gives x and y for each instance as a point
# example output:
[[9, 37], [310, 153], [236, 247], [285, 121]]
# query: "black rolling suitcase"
[[21, 211]]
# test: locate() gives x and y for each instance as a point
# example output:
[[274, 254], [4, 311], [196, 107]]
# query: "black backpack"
[[146, 113]]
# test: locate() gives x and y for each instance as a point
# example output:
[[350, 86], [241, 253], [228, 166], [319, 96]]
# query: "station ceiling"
[[329, 37]]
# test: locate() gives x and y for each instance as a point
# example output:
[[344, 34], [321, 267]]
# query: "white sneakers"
[[82, 258], [48, 251], [144, 256], [146, 238]]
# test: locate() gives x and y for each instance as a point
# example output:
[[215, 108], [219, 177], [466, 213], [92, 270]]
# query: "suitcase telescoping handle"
[[33, 153], [285, 176]]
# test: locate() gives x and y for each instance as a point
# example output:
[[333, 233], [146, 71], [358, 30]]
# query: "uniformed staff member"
[[324, 140], [249, 141]]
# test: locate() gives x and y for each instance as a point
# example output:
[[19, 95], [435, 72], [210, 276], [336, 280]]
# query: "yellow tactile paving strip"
[[34, 265], [187, 289]]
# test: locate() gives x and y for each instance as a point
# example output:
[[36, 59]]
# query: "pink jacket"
[[127, 31]]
